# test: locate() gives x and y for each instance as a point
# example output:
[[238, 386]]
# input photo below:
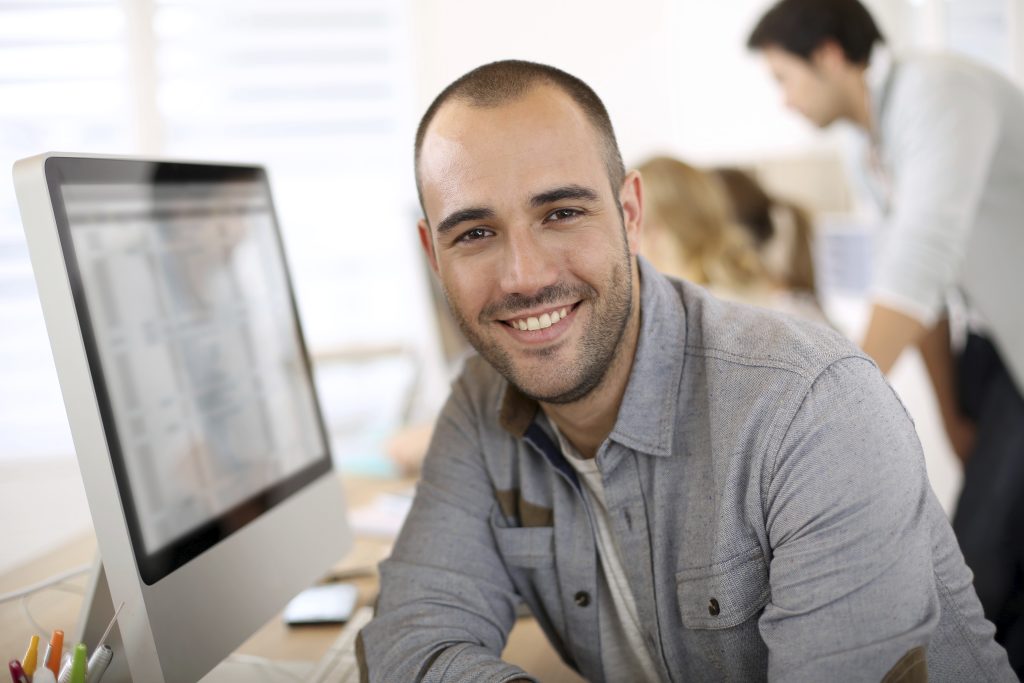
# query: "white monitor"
[[190, 397]]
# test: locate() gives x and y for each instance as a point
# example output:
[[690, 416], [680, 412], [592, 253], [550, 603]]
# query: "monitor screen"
[[197, 356]]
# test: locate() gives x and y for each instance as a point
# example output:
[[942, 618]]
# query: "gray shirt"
[[951, 170], [764, 482], [624, 654]]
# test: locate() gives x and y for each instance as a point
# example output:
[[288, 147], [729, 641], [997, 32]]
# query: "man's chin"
[[552, 395], [545, 392], [563, 392]]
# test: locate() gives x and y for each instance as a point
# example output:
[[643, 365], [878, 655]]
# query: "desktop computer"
[[190, 397]]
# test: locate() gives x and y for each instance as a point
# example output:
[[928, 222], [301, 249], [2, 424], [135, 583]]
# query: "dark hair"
[[498, 83], [757, 211], [802, 26]]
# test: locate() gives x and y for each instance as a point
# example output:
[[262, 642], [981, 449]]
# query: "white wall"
[[675, 76], [1016, 22]]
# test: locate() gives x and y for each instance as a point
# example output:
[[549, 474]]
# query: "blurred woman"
[[691, 231], [781, 231]]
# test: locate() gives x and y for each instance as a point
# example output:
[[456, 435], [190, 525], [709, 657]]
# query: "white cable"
[[25, 599], [55, 582], [45, 583], [40, 631]]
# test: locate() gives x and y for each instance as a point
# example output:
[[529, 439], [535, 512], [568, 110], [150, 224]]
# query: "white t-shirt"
[[624, 655]]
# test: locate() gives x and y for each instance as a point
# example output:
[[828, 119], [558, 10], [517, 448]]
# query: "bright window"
[[319, 91]]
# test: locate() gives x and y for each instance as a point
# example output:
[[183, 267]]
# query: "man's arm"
[[940, 136], [938, 359], [446, 603], [849, 515], [889, 332]]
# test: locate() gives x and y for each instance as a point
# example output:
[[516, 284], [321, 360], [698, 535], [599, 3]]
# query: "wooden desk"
[[527, 647]]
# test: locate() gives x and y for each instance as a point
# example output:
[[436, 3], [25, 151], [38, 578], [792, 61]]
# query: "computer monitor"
[[190, 397]]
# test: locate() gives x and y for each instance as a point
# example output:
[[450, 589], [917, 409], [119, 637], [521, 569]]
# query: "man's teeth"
[[545, 320]]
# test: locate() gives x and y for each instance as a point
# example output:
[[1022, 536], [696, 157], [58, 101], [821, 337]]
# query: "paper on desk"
[[382, 517]]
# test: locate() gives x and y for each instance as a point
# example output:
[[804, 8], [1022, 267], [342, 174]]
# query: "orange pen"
[[28, 662], [53, 652]]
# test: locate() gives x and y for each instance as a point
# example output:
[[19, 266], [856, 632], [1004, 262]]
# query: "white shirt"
[[950, 143]]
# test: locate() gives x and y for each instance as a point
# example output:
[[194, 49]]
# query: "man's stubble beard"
[[601, 338]]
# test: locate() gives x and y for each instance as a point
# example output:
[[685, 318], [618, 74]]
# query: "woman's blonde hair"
[[694, 210]]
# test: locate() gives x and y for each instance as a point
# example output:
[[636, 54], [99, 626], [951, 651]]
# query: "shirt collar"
[[647, 416], [517, 411], [878, 78]]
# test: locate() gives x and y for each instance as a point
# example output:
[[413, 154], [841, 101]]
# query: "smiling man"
[[678, 488]]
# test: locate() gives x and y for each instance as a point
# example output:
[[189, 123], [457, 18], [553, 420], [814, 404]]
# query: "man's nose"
[[527, 265]]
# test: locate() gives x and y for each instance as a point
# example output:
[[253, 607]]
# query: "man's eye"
[[473, 235], [563, 214]]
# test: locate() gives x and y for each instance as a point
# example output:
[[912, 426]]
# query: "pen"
[[28, 662], [17, 673], [98, 663], [78, 664], [44, 675], [52, 659], [102, 655], [74, 670]]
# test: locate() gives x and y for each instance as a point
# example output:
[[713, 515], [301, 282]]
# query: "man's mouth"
[[540, 320]]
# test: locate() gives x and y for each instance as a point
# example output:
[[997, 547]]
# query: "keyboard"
[[338, 665]]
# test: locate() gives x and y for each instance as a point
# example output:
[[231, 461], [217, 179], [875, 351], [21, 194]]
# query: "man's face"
[[809, 87], [534, 255]]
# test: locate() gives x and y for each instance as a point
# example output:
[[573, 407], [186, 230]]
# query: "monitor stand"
[[98, 610]]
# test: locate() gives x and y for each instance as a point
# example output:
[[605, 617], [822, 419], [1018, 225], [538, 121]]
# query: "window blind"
[[62, 87]]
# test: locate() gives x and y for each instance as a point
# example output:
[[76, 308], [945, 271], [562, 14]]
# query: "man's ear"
[[631, 198], [828, 57], [428, 244]]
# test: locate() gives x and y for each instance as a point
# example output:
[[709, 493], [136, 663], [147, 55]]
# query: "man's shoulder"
[[731, 332], [920, 61], [940, 77]]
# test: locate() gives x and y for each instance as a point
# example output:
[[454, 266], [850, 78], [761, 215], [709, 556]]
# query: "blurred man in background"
[[947, 162]]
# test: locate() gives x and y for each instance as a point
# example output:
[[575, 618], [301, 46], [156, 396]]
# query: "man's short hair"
[[802, 26], [498, 83]]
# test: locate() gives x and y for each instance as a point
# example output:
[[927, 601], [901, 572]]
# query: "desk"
[[527, 647]]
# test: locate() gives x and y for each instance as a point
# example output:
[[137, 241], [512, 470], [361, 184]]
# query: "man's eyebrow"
[[559, 193], [547, 197], [463, 215]]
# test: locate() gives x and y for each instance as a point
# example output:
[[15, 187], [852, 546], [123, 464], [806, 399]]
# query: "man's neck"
[[588, 422], [859, 110]]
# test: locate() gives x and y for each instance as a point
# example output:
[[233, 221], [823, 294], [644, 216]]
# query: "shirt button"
[[582, 598], [713, 608]]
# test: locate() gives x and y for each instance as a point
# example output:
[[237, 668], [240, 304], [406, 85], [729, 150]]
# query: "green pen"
[[75, 668], [78, 664]]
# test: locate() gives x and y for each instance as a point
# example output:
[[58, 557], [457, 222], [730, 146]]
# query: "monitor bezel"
[[158, 563]]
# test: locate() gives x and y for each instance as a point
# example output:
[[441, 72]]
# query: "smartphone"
[[332, 603]]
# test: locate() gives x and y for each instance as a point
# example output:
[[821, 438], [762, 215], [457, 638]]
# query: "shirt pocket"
[[530, 547], [725, 594]]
